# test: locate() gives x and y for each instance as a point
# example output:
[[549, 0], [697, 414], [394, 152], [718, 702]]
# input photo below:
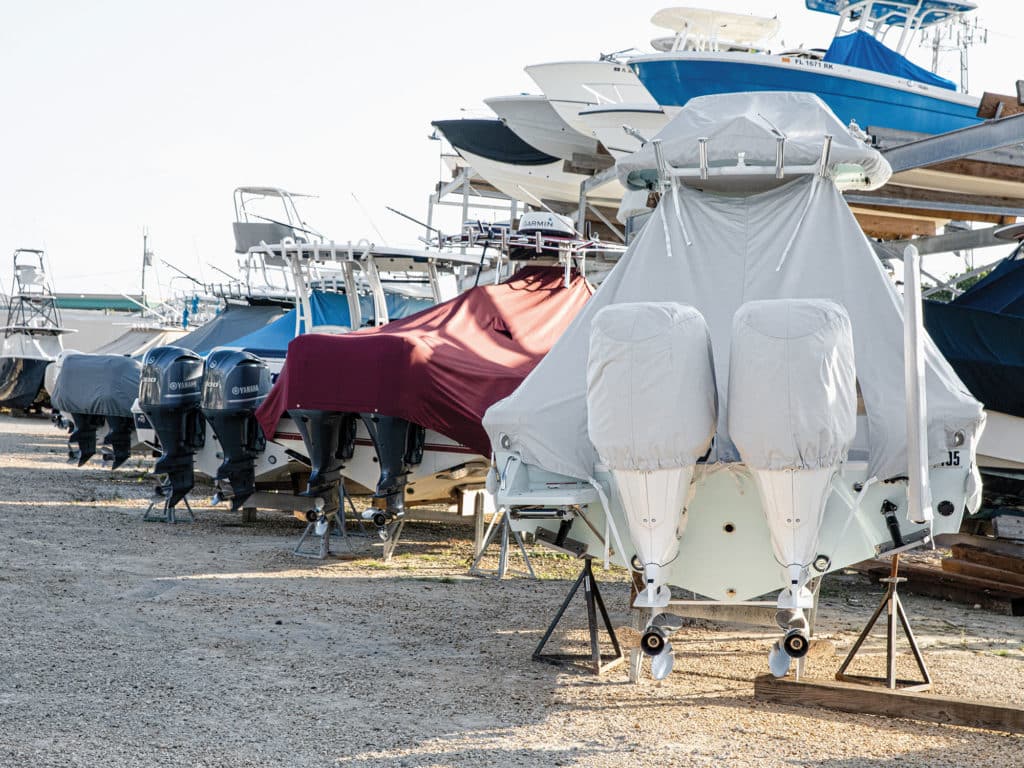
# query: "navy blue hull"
[[20, 381]]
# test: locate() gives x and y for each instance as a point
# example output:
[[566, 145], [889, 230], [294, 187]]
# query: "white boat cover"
[[743, 249], [652, 401], [792, 384], [104, 385], [752, 123]]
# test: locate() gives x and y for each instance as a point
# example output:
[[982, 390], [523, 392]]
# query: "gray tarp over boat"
[[135, 342], [716, 252], [97, 384]]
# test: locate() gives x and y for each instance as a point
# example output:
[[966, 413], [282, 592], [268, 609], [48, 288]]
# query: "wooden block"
[[1002, 562], [1009, 527], [875, 700], [1009, 548], [995, 575], [933, 582]]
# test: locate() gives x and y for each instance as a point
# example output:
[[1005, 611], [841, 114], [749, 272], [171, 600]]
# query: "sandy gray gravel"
[[125, 643]]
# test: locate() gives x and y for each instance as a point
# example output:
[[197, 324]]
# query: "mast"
[[147, 261]]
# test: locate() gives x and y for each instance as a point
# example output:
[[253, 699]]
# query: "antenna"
[[369, 219]]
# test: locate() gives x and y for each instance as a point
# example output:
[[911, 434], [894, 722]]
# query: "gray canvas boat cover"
[[97, 384], [716, 252], [743, 130], [135, 342]]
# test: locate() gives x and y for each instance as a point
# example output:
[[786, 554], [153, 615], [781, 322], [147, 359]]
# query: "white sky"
[[121, 114]]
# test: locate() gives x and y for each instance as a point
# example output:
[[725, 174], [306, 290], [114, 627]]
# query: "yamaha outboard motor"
[[84, 435], [234, 385], [117, 443], [169, 395], [330, 439], [399, 445]]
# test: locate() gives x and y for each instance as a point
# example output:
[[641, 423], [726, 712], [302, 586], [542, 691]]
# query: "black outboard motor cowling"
[[169, 394], [118, 440], [84, 435], [330, 440], [399, 445], [234, 385]]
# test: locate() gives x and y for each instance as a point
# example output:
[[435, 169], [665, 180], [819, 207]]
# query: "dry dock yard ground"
[[125, 643]]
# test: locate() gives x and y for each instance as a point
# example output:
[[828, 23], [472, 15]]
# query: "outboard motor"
[[169, 394], [117, 443], [234, 385], [399, 445], [792, 415], [83, 434], [330, 440], [650, 429]]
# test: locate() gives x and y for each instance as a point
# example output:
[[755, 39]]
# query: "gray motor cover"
[[97, 384], [792, 384], [651, 396]]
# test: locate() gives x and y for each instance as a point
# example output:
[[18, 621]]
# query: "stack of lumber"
[[980, 571]]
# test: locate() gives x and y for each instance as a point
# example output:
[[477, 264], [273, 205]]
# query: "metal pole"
[[919, 501]]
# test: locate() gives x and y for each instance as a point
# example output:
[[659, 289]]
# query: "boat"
[[660, 432], [408, 428], [535, 121], [32, 334], [981, 333], [859, 77], [517, 169]]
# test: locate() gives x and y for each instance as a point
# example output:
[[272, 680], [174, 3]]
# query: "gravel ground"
[[125, 643]]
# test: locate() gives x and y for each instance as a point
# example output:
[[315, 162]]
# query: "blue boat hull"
[[673, 82], [21, 380]]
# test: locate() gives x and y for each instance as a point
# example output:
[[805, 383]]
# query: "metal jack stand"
[[594, 661], [323, 527], [506, 533], [390, 535], [163, 498], [894, 609]]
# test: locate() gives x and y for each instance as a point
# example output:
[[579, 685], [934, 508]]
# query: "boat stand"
[[893, 606], [390, 535], [163, 497], [333, 525], [593, 661], [507, 534]]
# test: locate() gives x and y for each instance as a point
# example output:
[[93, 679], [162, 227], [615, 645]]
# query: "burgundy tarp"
[[440, 368]]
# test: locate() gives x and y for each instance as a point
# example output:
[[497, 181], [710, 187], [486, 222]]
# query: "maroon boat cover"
[[440, 368]]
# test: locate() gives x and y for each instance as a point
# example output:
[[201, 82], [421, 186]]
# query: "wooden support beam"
[[892, 227], [994, 105], [1008, 548], [871, 700], [939, 214], [933, 582], [1002, 562], [995, 575]]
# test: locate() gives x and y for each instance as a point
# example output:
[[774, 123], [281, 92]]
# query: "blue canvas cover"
[[233, 322], [1001, 290], [981, 333], [861, 50], [986, 349], [328, 309]]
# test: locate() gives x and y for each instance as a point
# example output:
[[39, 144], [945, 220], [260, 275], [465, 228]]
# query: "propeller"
[[653, 641], [778, 660], [661, 663]]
